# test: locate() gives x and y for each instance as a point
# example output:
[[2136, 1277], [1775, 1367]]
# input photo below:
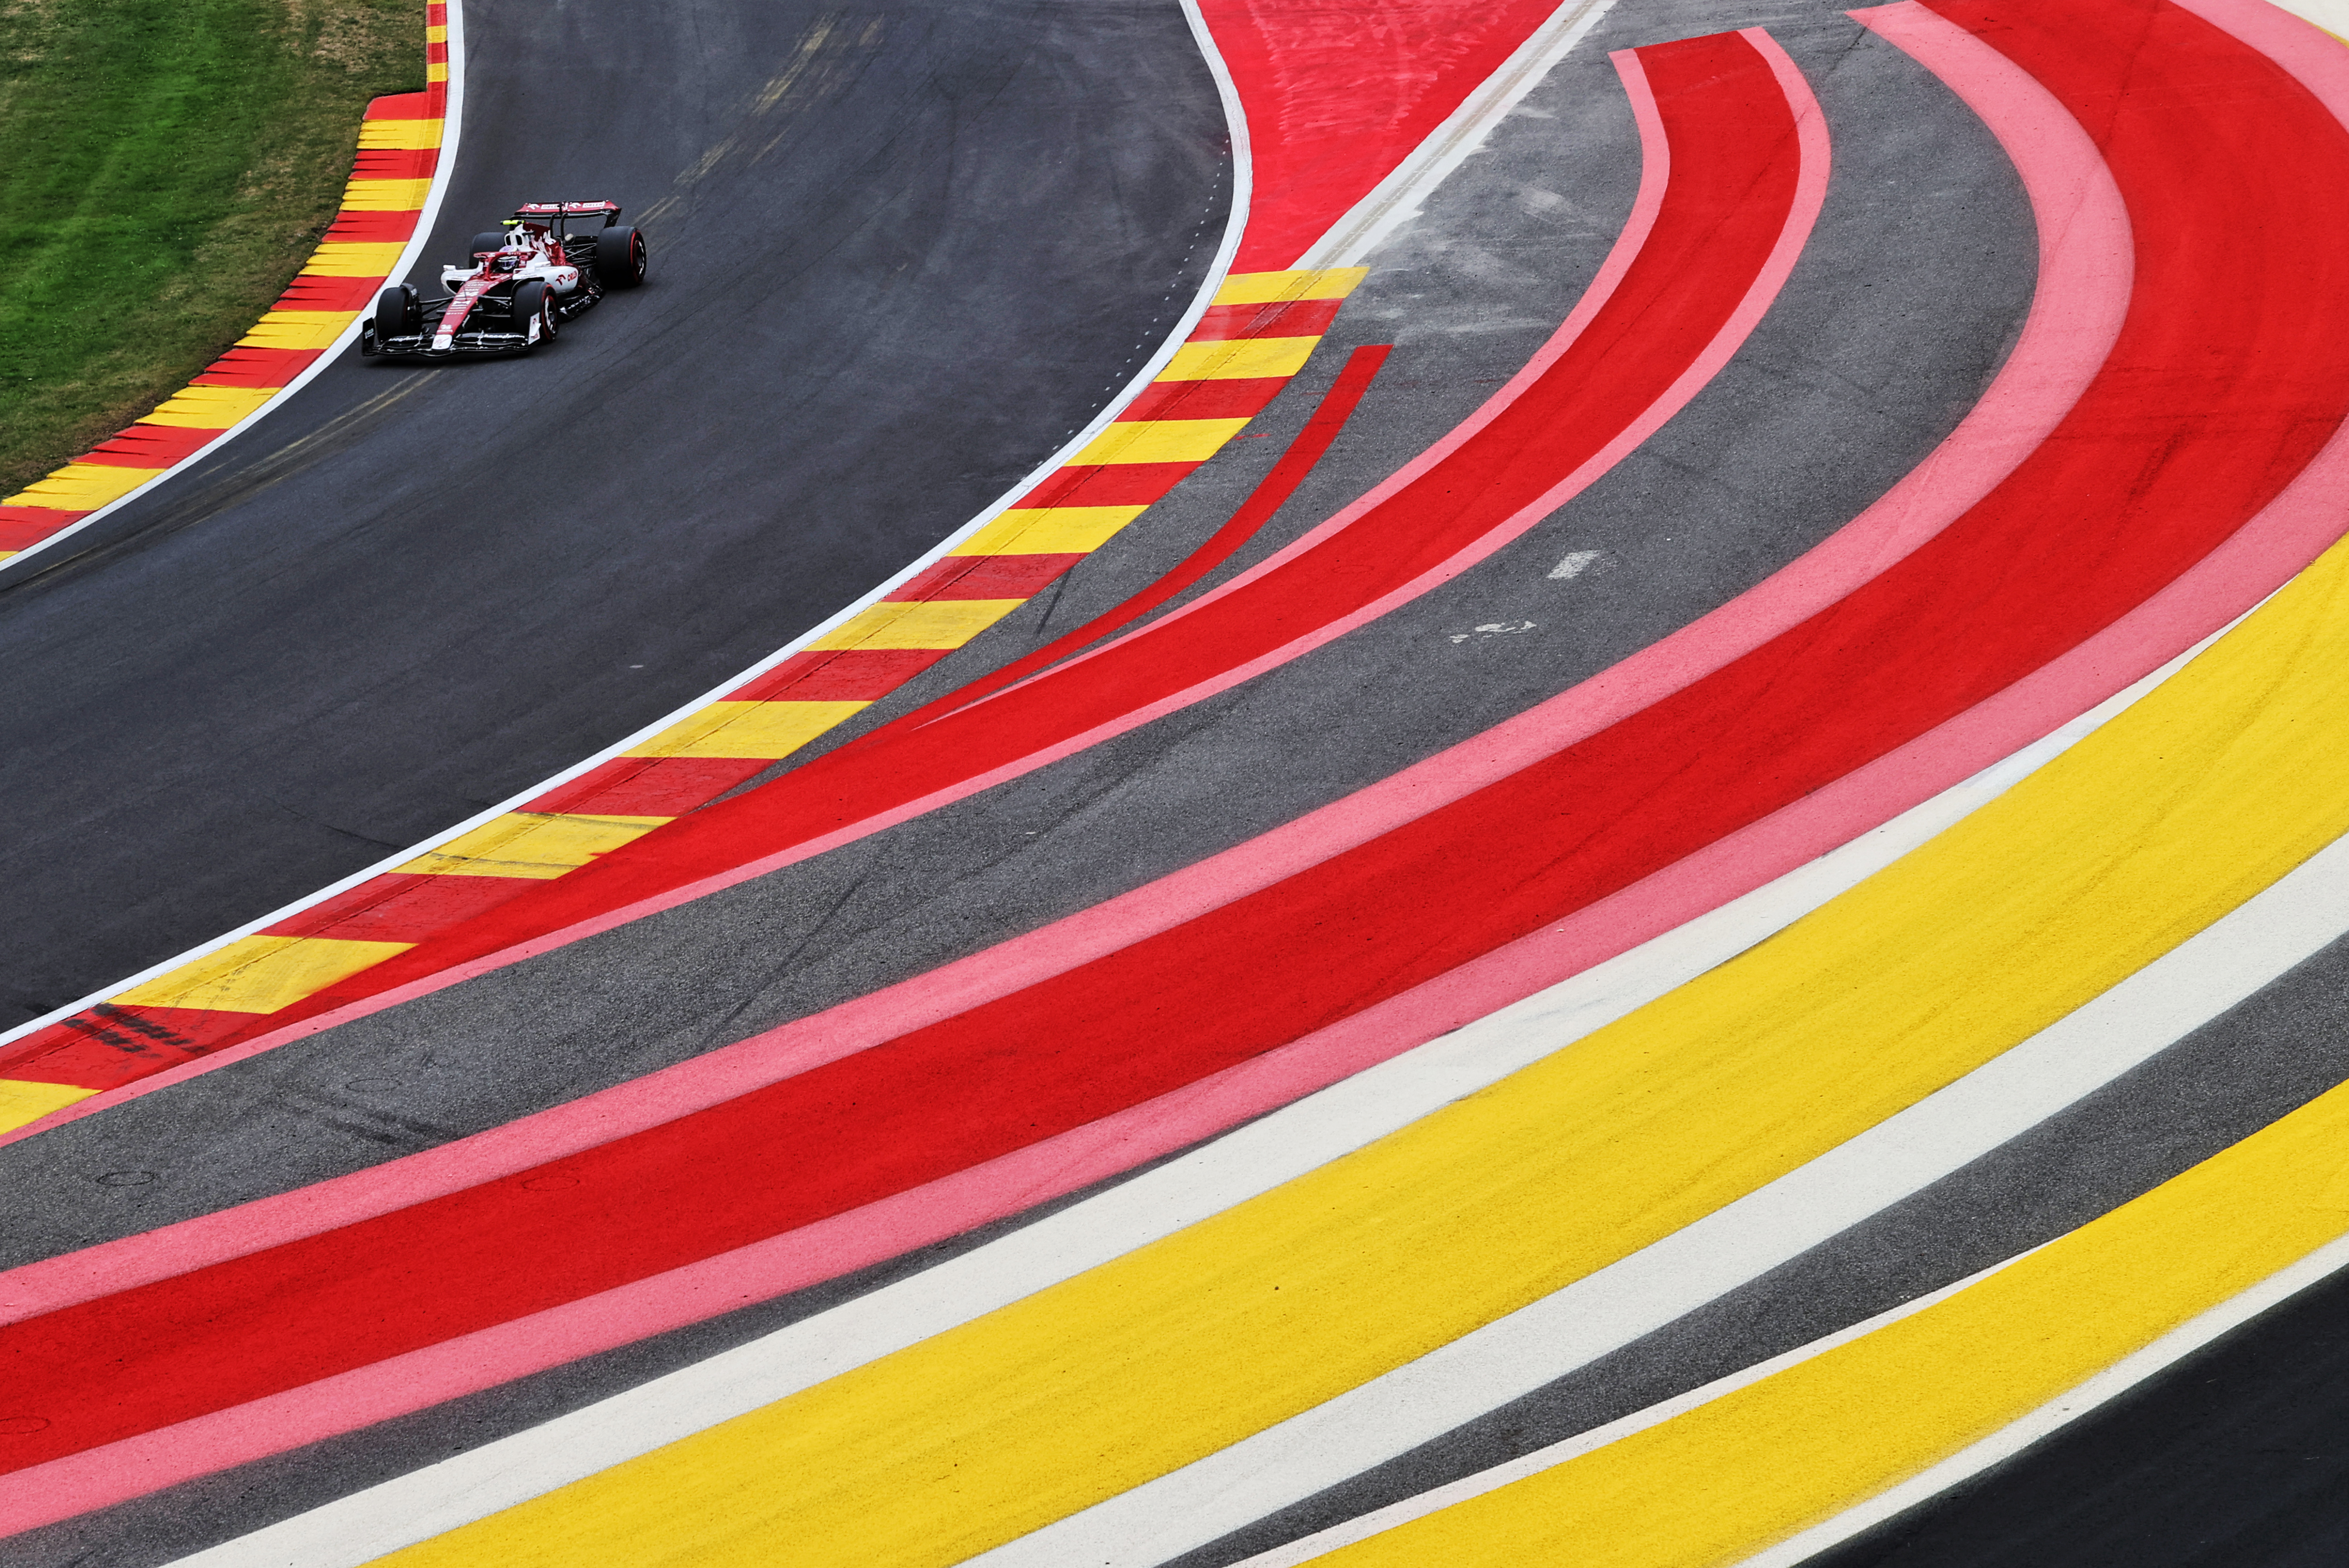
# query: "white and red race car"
[[521, 285]]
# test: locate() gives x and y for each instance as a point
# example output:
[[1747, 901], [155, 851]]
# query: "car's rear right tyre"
[[397, 312], [620, 257]]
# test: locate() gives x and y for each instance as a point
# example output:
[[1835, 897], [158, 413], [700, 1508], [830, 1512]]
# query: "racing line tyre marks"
[[392, 185]]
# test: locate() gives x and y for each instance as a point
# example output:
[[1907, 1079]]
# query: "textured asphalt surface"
[[1899, 313], [900, 252]]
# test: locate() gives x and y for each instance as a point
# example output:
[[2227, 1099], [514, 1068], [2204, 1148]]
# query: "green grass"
[[165, 167]]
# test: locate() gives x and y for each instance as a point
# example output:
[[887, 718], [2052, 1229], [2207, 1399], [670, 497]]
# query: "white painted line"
[[1437, 1499], [451, 124], [1217, 270], [1243, 1164], [1394, 200], [1577, 563]]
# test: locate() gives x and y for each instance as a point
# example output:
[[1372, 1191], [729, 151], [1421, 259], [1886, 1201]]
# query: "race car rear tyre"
[[533, 298], [620, 257], [397, 312], [492, 240]]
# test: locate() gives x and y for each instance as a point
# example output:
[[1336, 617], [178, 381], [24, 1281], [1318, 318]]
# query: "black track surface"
[[2237, 1456], [900, 252]]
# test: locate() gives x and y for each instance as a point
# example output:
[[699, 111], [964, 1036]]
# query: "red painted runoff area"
[[1337, 92]]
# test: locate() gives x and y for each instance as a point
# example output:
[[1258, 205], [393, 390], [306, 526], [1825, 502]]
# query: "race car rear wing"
[[560, 211]]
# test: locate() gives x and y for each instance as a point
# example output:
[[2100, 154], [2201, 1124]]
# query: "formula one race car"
[[521, 285]]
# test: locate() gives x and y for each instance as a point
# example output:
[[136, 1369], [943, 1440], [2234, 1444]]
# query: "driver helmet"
[[505, 261]]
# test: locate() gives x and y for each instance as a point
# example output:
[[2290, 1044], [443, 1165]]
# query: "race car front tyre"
[[533, 300], [620, 257], [397, 312], [490, 240]]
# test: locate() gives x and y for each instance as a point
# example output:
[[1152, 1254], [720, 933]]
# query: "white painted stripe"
[[1506, 1359], [1242, 1164], [1394, 200], [451, 125], [1436, 1498], [1216, 271], [2114, 1380]]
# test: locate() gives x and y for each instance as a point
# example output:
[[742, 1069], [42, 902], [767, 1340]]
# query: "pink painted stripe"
[[2054, 358]]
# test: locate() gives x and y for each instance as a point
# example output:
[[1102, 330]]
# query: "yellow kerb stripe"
[[1732, 1477], [397, 135], [81, 486], [1239, 358], [1048, 531], [23, 1102], [534, 844], [2196, 798], [437, 71], [385, 195], [298, 329], [210, 408], [436, 35], [355, 258], [1159, 440], [930, 623], [768, 730], [260, 973], [1266, 287]]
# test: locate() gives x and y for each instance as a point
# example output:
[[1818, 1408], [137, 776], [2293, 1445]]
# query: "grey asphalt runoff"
[[901, 251], [1897, 313]]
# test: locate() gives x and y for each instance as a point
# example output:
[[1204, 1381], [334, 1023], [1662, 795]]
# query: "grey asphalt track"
[[900, 252]]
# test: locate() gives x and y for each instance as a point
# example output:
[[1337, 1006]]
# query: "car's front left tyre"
[[397, 312], [534, 301]]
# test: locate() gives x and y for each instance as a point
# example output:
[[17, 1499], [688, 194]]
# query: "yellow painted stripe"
[[1159, 440], [298, 329], [436, 71], [397, 135], [23, 1102], [436, 35], [210, 408], [1048, 531], [535, 844], [747, 729], [929, 623], [260, 973], [81, 486], [2193, 800], [1239, 358], [385, 195], [1767, 1461], [1265, 287], [355, 258]]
